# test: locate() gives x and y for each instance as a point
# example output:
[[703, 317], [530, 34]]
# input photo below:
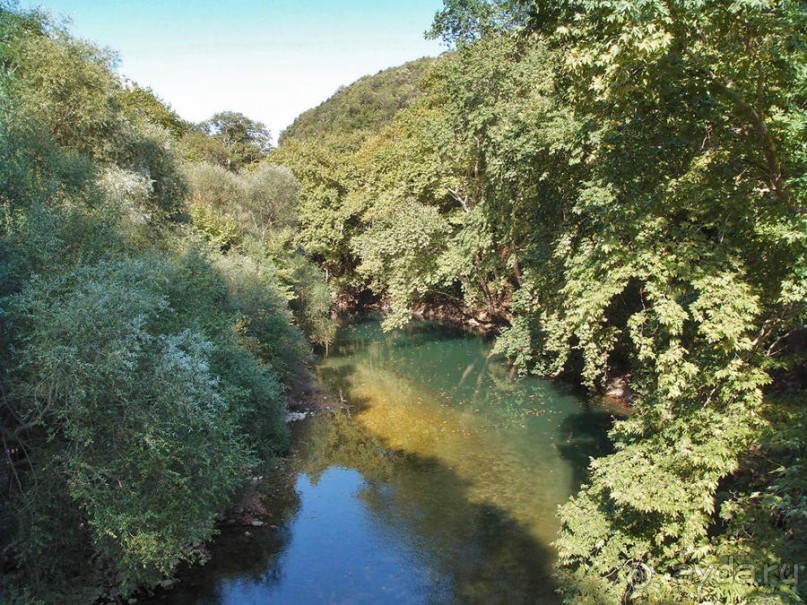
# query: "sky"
[[268, 59]]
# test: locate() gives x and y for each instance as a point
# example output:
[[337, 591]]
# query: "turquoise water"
[[440, 486]]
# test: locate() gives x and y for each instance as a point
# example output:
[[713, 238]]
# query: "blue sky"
[[269, 59]]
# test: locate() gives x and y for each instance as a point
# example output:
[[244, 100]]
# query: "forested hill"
[[356, 111]]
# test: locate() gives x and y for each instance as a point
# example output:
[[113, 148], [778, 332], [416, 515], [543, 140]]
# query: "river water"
[[441, 486]]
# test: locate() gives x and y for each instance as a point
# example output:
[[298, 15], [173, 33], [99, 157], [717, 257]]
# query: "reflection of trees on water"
[[584, 436], [450, 368], [478, 553], [475, 552], [334, 440], [243, 554], [502, 434]]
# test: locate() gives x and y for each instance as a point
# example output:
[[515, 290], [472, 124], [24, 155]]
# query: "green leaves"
[[64, 85], [234, 141], [664, 151], [623, 183], [135, 422], [399, 255], [142, 371]]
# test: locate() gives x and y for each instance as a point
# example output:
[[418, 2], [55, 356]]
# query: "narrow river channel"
[[441, 486]]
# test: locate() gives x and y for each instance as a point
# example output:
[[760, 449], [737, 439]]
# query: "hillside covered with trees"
[[621, 186], [358, 111]]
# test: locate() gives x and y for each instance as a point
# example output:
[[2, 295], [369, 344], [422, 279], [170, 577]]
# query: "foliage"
[[455, 150], [252, 213], [269, 200], [149, 152], [403, 247], [678, 251], [64, 85], [143, 104], [623, 184], [326, 223], [143, 372], [229, 139], [463, 22], [357, 111], [134, 424], [318, 146], [63, 94], [312, 300]]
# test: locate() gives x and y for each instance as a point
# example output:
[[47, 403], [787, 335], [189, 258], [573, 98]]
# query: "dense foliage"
[[229, 139], [620, 185], [623, 185], [357, 111], [144, 358]]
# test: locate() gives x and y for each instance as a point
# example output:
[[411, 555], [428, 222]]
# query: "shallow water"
[[442, 486]]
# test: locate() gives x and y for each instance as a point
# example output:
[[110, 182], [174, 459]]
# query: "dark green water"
[[441, 486]]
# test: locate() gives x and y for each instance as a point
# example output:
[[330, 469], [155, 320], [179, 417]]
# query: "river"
[[440, 486]]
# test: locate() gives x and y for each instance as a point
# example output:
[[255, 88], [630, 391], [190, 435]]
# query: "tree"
[[270, 199], [685, 252], [65, 85], [462, 22], [628, 180], [141, 372], [326, 222], [240, 140], [143, 104]]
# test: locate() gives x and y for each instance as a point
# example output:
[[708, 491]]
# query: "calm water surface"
[[442, 485]]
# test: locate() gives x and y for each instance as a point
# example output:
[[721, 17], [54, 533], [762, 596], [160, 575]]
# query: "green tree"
[[270, 199], [143, 104], [131, 419], [682, 251], [64, 85], [462, 22], [358, 111], [625, 184], [326, 222], [229, 139], [141, 373]]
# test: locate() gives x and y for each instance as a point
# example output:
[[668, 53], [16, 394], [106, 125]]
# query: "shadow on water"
[[584, 436], [460, 551], [412, 536], [441, 485]]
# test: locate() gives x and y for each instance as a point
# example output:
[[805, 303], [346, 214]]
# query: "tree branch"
[[773, 166]]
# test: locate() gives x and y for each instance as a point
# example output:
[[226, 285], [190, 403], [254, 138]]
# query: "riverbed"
[[440, 485]]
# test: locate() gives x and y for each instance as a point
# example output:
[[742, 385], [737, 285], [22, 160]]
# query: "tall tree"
[[688, 253], [229, 139]]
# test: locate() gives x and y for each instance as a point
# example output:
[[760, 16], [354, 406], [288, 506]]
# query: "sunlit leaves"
[[141, 370], [677, 251]]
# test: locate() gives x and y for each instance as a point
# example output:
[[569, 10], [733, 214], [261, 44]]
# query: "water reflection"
[[447, 547], [510, 440], [441, 487]]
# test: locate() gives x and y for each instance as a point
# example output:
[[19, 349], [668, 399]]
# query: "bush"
[[137, 427]]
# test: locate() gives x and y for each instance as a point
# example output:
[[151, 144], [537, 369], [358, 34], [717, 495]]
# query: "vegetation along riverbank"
[[615, 190]]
